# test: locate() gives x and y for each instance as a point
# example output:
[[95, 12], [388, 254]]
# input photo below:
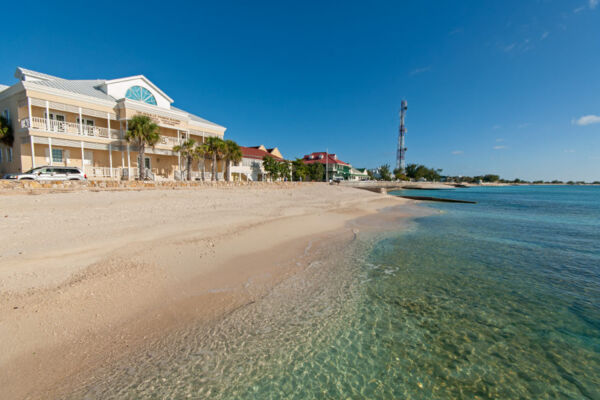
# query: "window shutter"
[[47, 151], [67, 156]]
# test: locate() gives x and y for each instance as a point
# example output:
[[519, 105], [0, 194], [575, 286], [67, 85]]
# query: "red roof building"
[[323, 158], [259, 152]]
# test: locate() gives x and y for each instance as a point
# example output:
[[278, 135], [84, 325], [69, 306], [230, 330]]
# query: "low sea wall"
[[11, 186]]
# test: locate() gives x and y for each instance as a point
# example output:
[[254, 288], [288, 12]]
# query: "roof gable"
[[118, 88]]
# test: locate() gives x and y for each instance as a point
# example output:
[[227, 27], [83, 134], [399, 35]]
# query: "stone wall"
[[12, 186]]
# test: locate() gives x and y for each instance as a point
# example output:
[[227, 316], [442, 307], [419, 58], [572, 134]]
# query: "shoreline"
[[152, 283]]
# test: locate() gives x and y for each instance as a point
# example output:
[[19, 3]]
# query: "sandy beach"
[[88, 277]]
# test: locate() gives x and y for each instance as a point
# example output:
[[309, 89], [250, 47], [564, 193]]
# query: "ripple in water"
[[496, 300]]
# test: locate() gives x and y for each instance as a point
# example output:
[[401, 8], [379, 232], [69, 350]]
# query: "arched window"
[[140, 94]]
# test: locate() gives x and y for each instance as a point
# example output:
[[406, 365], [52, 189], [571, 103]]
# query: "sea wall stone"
[[34, 187]]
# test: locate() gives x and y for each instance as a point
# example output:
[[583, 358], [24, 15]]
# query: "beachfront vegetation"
[[6, 132], [188, 152], [284, 170], [300, 171], [232, 154], [142, 131], [417, 171], [384, 172], [201, 152], [271, 167], [316, 172], [400, 175], [215, 148]]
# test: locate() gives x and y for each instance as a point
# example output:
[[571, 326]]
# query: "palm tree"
[[216, 147], [6, 132], [201, 152], [187, 150], [142, 131], [232, 153]]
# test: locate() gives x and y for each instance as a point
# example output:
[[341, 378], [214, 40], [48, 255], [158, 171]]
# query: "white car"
[[50, 173]]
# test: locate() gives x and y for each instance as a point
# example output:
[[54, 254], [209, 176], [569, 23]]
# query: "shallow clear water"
[[500, 299]]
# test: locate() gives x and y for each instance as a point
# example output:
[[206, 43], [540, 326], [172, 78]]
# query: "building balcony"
[[69, 128]]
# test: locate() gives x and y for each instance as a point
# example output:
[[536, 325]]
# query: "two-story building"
[[82, 123], [250, 168], [334, 167]]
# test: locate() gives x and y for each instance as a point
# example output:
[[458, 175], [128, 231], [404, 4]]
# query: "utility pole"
[[401, 154], [327, 165]]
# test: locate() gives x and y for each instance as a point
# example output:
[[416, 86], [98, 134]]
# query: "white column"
[[108, 125], [30, 114], [122, 159], [32, 152], [47, 115], [178, 153], [128, 155], [82, 158], [110, 159], [80, 122], [50, 149]]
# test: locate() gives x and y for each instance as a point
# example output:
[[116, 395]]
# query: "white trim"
[[142, 77], [32, 151], [50, 151]]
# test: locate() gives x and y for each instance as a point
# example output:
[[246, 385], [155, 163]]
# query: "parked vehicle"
[[50, 173]]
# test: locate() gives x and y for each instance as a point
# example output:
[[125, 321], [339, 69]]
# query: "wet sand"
[[90, 278]]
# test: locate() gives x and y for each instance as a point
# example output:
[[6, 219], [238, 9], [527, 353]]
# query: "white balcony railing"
[[102, 172], [69, 128]]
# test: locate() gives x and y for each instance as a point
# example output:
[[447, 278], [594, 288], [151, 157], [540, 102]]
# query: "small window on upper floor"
[[139, 93]]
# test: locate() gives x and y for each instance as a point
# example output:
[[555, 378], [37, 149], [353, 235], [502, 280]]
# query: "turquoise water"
[[499, 299]]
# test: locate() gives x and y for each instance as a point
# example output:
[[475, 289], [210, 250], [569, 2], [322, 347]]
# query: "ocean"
[[499, 299]]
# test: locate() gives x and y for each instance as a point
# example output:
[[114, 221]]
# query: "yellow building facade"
[[82, 123]]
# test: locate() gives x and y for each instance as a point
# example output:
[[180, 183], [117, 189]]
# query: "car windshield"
[[33, 171]]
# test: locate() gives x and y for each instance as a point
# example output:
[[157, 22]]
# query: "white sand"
[[86, 277]]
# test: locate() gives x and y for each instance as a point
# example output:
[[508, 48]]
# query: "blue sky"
[[492, 86]]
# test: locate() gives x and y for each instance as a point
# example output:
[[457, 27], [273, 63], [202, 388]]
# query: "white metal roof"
[[89, 88]]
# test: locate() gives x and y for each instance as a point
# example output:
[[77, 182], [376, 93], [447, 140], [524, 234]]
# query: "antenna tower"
[[401, 154]]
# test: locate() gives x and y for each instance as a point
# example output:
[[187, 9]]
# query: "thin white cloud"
[[569, 151], [501, 147], [544, 35], [593, 4], [418, 71], [499, 140], [496, 127], [523, 125], [457, 152], [578, 9], [455, 31], [509, 47], [586, 120]]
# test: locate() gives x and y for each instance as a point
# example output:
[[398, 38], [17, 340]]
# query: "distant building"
[[335, 168], [251, 166]]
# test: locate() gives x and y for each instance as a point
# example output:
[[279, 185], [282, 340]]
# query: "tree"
[[188, 152], [399, 174], [142, 131], [384, 172], [491, 178], [316, 172], [284, 169], [416, 171], [231, 153], [370, 174], [300, 170], [270, 165], [201, 152], [215, 148], [6, 132]]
